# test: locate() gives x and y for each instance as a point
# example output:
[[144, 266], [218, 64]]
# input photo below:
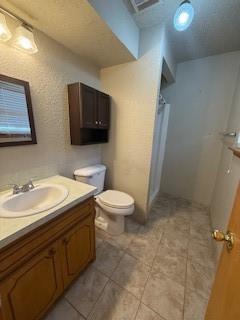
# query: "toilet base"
[[112, 224]]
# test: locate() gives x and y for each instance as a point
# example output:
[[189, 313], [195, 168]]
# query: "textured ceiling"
[[215, 28], [76, 25]]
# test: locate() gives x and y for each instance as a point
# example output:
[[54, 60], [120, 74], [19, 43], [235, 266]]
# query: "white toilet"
[[111, 205]]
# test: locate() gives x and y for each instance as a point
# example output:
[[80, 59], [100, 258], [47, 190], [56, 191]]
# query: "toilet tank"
[[93, 175]]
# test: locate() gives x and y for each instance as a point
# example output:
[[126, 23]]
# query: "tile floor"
[[160, 271]]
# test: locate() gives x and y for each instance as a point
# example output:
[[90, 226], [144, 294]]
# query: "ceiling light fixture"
[[183, 16], [5, 33], [23, 38]]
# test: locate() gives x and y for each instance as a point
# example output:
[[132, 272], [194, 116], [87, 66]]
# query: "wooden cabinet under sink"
[[36, 269]]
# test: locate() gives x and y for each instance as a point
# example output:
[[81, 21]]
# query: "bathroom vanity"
[[46, 253]]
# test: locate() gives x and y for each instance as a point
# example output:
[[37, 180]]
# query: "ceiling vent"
[[140, 5]]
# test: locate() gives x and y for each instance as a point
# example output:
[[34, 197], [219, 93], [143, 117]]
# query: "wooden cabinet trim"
[[30, 244], [68, 273], [46, 260], [11, 283], [89, 114]]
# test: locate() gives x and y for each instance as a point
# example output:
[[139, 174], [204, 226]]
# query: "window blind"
[[13, 110]]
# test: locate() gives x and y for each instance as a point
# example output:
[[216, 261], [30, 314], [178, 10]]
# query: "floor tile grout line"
[[74, 307], [125, 251], [149, 275], [108, 281], [163, 318], [137, 310], [185, 285], [100, 294]]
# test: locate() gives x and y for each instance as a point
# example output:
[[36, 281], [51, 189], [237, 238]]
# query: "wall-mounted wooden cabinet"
[[36, 269], [89, 113]]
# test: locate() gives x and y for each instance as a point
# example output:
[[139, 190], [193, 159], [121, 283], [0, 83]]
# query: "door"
[[32, 289], [78, 249], [103, 110], [224, 302], [88, 107]]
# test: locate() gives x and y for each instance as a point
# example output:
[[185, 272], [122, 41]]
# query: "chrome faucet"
[[24, 188], [27, 186], [16, 189]]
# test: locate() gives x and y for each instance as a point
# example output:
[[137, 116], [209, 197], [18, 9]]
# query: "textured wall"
[[200, 104], [48, 73], [134, 87], [120, 21], [228, 176]]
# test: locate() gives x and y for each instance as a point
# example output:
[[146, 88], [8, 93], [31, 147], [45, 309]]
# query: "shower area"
[[159, 143]]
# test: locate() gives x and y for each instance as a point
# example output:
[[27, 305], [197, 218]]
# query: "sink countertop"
[[13, 228]]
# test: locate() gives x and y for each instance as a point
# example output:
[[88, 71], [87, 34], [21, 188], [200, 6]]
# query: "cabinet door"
[[32, 289], [88, 107], [103, 110], [78, 249]]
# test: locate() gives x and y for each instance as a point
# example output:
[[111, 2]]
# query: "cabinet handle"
[[100, 122], [52, 251], [96, 122]]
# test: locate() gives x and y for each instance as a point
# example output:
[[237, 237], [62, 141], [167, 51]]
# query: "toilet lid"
[[116, 199]]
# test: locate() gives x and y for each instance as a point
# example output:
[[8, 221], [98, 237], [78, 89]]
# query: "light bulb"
[[24, 40], [5, 33], [183, 16]]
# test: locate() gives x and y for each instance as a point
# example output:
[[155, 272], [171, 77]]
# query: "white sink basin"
[[43, 197]]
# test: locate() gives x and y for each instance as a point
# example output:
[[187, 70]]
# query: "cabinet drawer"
[[31, 290]]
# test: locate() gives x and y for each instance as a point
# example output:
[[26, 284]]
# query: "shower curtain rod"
[[162, 100]]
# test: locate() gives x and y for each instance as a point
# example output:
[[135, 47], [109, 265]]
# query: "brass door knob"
[[227, 237]]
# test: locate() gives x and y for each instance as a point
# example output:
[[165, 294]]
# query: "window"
[[14, 120]]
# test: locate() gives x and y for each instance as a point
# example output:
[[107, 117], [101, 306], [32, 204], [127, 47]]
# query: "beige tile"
[[108, 258], [181, 229], [132, 275], [199, 278], [123, 240], [143, 248], [175, 243], [171, 265], [201, 254], [159, 211], [98, 241], [162, 202], [182, 203], [144, 313], [199, 210], [151, 232], [201, 221], [164, 296], [115, 303], [131, 226], [100, 233], [195, 306], [85, 291], [202, 236], [62, 311], [158, 219]]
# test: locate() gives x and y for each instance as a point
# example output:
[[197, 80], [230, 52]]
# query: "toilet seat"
[[115, 199], [115, 211]]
